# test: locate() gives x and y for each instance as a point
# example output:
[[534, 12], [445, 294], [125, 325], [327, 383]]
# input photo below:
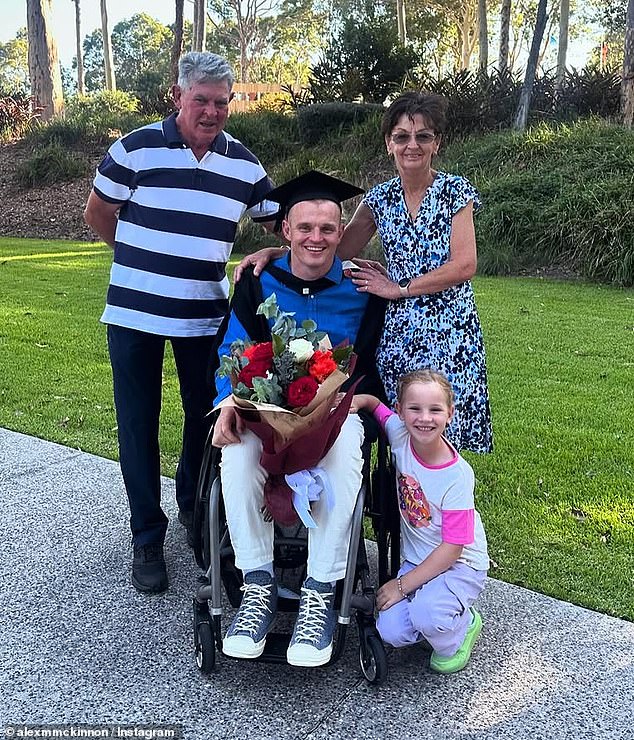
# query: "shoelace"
[[313, 612], [255, 604]]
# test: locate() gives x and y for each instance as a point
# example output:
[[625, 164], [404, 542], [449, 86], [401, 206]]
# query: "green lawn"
[[557, 495]]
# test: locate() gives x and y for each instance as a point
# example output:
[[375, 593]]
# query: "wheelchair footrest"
[[275, 648]]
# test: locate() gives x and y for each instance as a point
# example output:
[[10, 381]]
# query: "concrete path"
[[80, 646]]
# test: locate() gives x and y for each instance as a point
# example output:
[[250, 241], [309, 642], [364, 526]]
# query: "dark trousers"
[[137, 364]]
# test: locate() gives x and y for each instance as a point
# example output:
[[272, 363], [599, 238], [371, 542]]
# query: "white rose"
[[302, 349]]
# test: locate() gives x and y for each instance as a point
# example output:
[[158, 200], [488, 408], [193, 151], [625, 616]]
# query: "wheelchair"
[[355, 594]]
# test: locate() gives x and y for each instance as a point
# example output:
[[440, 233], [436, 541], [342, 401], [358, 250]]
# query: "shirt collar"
[[335, 274], [175, 141]]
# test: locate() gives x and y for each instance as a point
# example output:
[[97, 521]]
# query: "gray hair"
[[201, 67]]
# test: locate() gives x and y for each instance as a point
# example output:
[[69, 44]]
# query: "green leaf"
[[267, 390], [341, 355], [269, 307], [237, 347], [243, 391], [278, 344], [228, 366], [285, 327]]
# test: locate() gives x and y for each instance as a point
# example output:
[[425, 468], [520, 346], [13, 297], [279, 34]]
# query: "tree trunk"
[[80, 57], [627, 88], [244, 65], [400, 17], [521, 117], [562, 50], [465, 52], [177, 45], [467, 22], [195, 26], [505, 26], [200, 21], [111, 83], [483, 36], [46, 78]]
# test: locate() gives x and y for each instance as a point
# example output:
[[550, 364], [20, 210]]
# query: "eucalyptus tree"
[[108, 65], [44, 69], [562, 48], [505, 30], [521, 117], [177, 44], [401, 20], [483, 36], [627, 89], [200, 25], [257, 31], [80, 57], [141, 46], [14, 64]]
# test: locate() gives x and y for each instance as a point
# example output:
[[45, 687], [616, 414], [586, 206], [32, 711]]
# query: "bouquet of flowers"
[[286, 391], [295, 374]]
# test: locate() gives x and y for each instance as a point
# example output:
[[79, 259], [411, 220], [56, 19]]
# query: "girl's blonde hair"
[[425, 376]]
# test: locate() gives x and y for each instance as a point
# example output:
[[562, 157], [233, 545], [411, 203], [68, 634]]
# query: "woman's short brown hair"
[[432, 107]]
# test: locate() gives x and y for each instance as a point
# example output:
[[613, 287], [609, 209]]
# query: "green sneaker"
[[457, 661]]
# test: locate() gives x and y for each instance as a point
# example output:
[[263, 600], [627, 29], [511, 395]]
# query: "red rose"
[[262, 352], [321, 365], [302, 391], [253, 370]]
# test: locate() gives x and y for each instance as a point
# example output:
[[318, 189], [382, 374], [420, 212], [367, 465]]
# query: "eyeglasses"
[[420, 137]]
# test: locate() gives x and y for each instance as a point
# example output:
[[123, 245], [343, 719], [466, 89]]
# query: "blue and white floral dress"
[[440, 331]]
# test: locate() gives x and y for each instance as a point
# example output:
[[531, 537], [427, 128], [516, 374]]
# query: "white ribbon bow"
[[308, 486]]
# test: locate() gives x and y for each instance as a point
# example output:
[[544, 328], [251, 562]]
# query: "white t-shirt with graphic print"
[[436, 502]]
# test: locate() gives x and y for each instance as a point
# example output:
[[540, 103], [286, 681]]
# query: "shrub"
[[91, 120], [557, 195], [50, 164], [99, 105], [365, 61], [17, 113], [70, 134], [323, 120], [481, 102], [271, 136]]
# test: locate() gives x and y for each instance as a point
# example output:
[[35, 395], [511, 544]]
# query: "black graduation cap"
[[312, 185]]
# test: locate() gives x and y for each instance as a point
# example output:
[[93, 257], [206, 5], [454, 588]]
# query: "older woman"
[[424, 218]]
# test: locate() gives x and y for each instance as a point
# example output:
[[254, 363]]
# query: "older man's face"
[[202, 113]]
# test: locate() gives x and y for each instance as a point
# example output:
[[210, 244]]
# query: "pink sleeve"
[[458, 526], [382, 414]]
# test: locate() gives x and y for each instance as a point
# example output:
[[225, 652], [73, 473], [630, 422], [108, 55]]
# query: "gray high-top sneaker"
[[246, 636], [311, 643]]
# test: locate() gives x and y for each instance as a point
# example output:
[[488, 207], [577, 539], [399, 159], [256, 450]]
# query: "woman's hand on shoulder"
[[259, 260], [371, 265], [371, 277]]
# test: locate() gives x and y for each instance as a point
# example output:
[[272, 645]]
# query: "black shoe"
[[149, 574], [186, 518]]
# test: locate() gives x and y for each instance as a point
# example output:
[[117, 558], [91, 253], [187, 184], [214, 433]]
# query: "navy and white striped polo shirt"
[[176, 228]]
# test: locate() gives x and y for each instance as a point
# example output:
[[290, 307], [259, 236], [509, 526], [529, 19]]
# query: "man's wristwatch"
[[403, 286]]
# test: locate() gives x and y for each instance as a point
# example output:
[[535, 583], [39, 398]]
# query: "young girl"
[[443, 546]]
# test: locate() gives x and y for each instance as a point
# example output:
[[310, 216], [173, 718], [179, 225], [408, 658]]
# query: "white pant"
[[243, 480]]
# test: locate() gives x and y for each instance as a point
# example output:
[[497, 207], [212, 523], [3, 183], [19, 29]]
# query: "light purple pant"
[[438, 612]]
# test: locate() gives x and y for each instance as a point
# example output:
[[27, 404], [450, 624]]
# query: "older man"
[[167, 197], [310, 282]]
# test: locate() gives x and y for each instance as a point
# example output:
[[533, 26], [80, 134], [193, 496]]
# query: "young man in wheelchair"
[[308, 280]]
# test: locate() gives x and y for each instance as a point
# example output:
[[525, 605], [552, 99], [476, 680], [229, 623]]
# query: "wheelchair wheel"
[[373, 659], [205, 648]]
